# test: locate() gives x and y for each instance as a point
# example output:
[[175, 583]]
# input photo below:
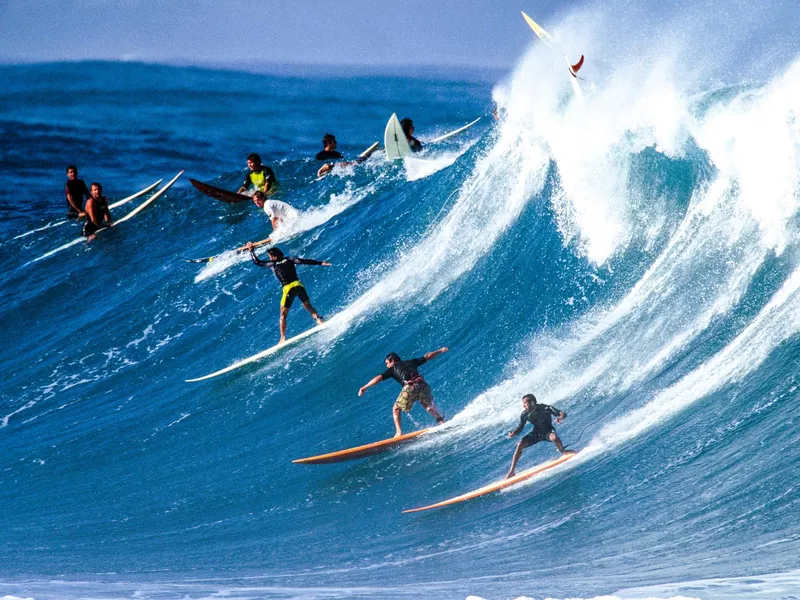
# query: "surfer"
[[76, 191], [329, 152], [415, 388], [277, 211], [283, 267], [541, 417], [408, 128], [261, 177], [99, 217]]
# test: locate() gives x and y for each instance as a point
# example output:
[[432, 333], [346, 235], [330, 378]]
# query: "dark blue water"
[[636, 267]]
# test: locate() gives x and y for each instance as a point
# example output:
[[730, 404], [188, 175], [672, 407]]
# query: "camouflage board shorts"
[[417, 392]]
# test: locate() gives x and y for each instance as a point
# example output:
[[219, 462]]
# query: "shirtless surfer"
[[98, 215], [541, 417], [415, 388]]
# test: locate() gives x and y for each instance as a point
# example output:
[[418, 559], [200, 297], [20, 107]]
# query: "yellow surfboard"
[[497, 485], [362, 451], [539, 30]]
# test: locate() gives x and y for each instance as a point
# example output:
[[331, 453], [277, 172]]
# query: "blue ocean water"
[[629, 254]]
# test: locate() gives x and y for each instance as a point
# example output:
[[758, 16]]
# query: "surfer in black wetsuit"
[[76, 191], [541, 417], [283, 267], [97, 213], [261, 177], [329, 152], [408, 128], [415, 388]]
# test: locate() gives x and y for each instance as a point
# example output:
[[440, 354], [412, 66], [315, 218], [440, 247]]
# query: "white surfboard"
[[115, 205], [441, 138], [263, 353], [130, 215], [394, 140]]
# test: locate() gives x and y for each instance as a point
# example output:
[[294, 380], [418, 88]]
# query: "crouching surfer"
[[97, 213], [541, 417], [279, 213], [284, 269], [415, 388]]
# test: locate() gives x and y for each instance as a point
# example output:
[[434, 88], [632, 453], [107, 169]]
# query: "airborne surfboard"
[[362, 451], [498, 485], [130, 215], [394, 139], [219, 193], [116, 204], [264, 353], [550, 41], [442, 138]]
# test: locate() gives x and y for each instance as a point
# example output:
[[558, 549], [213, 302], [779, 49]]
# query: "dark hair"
[[99, 186], [254, 157], [406, 124], [276, 252], [72, 168], [259, 195], [392, 356], [328, 138], [530, 398]]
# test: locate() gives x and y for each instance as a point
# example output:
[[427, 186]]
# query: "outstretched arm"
[[256, 260], [308, 261], [436, 353], [374, 381]]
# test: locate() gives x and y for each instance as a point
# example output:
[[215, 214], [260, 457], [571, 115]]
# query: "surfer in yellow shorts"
[[415, 388], [260, 177], [283, 267]]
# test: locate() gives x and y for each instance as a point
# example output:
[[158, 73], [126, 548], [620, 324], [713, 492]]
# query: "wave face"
[[629, 255]]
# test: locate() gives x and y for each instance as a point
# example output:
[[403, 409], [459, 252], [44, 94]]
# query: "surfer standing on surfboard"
[[260, 176], [541, 417], [408, 128], [415, 388], [283, 267]]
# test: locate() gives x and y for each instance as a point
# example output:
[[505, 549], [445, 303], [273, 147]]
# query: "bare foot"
[[510, 474], [398, 434], [319, 320], [282, 341]]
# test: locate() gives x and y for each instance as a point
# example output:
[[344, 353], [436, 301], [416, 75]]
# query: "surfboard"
[[115, 205], [394, 140], [362, 451], [498, 485], [130, 215], [208, 259], [219, 193], [550, 41], [263, 354], [327, 167], [441, 138], [368, 152]]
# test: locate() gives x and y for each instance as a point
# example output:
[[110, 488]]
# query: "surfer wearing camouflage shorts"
[[415, 388]]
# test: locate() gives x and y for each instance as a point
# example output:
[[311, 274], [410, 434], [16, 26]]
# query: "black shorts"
[[534, 437], [89, 228], [296, 291]]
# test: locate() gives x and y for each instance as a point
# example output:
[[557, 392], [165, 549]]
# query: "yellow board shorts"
[[291, 291], [417, 392]]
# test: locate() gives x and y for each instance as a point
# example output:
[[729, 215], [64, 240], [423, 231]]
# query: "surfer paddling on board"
[[541, 417], [408, 128], [283, 267], [99, 217], [329, 152], [279, 213], [262, 178], [415, 388], [76, 191]]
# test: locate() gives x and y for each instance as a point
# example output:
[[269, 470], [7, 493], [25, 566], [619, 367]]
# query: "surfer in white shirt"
[[280, 213]]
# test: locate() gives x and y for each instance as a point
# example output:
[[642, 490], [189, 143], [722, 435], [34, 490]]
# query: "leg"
[[422, 393], [396, 417], [521, 445], [434, 413], [284, 312], [553, 437], [313, 312]]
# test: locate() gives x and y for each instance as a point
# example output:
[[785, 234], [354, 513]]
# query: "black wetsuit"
[[90, 226], [286, 273], [405, 371], [78, 190], [329, 155], [541, 417], [414, 143]]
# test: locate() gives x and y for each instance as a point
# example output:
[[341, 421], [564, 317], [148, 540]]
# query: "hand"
[[81, 214], [511, 434], [249, 246], [326, 264], [361, 391], [558, 420], [444, 349]]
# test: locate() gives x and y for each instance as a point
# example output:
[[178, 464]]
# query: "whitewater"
[[630, 255]]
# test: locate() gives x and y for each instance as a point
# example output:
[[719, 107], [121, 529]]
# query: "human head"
[[528, 400], [391, 358], [259, 198], [275, 253], [253, 161], [408, 126], [72, 172], [97, 189], [329, 141]]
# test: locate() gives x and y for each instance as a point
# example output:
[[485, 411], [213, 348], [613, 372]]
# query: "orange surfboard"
[[497, 485], [362, 451]]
